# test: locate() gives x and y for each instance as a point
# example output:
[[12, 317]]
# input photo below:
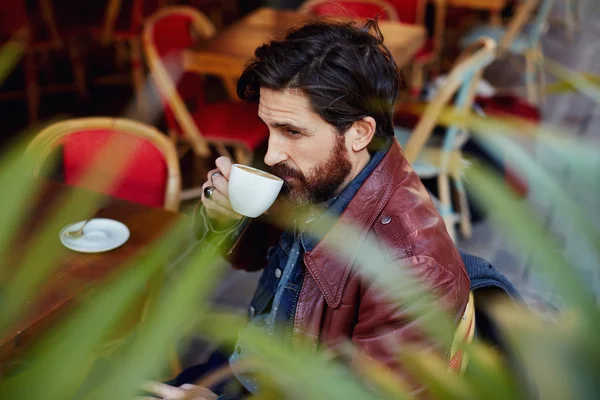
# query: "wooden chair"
[[35, 31], [150, 175], [113, 22], [122, 27], [445, 161], [515, 39], [350, 8], [223, 125]]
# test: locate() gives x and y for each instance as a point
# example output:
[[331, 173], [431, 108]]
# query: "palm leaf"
[[172, 318], [10, 54], [73, 345], [519, 222]]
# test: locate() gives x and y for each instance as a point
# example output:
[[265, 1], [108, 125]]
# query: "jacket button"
[[278, 273], [386, 220]]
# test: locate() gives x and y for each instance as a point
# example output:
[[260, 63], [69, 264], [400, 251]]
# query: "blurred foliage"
[[547, 359]]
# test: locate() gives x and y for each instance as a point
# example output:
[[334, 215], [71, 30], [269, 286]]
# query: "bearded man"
[[326, 92]]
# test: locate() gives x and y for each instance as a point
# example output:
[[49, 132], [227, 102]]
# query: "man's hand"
[[188, 392], [218, 206]]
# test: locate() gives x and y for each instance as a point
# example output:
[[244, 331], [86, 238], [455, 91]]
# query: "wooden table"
[[78, 271], [494, 7], [232, 48]]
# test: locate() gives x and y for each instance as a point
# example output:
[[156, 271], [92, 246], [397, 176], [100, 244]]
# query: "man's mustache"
[[282, 170]]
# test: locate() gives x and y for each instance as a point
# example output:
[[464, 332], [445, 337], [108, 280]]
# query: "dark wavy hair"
[[343, 67]]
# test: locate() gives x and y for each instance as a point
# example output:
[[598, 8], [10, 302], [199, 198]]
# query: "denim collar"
[[336, 205]]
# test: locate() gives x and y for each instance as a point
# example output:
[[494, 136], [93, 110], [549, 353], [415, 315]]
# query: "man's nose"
[[275, 152]]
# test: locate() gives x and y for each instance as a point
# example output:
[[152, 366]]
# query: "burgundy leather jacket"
[[336, 303]]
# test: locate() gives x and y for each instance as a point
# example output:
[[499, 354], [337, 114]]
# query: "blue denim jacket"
[[268, 286]]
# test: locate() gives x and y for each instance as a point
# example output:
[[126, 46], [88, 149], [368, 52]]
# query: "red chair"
[[147, 173], [224, 125], [413, 12], [351, 8]]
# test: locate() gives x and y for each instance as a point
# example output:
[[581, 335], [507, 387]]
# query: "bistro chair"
[[35, 30], [231, 127], [150, 174], [444, 160], [520, 38]]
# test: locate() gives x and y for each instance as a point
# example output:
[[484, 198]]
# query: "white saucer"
[[100, 234]]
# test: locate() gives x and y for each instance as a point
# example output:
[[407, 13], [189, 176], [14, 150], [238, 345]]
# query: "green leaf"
[[583, 83], [518, 221], [74, 345], [172, 318], [10, 54]]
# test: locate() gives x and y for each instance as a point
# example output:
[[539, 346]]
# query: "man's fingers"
[[216, 197], [220, 198], [216, 179], [224, 165], [164, 391], [195, 392]]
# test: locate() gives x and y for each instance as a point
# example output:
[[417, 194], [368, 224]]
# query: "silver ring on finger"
[[212, 177], [208, 192]]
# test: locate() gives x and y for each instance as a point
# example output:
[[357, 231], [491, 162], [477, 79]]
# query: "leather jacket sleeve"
[[383, 327]]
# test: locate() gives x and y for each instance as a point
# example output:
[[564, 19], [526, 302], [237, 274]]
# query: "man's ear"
[[364, 130]]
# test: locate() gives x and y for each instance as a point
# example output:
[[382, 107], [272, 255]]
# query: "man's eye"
[[292, 132]]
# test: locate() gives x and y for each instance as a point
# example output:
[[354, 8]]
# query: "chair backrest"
[[148, 175], [166, 35], [521, 18], [351, 8], [460, 86]]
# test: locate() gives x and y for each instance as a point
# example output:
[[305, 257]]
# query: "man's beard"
[[322, 182]]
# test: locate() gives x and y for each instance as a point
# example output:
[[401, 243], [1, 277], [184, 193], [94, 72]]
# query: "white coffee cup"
[[252, 191]]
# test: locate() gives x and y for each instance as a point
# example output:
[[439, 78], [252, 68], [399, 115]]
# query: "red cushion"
[[142, 179], [509, 105], [171, 33], [236, 121], [426, 52], [350, 9], [407, 10]]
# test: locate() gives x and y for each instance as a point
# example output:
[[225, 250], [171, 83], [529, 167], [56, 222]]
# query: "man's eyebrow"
[[284, 124]]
